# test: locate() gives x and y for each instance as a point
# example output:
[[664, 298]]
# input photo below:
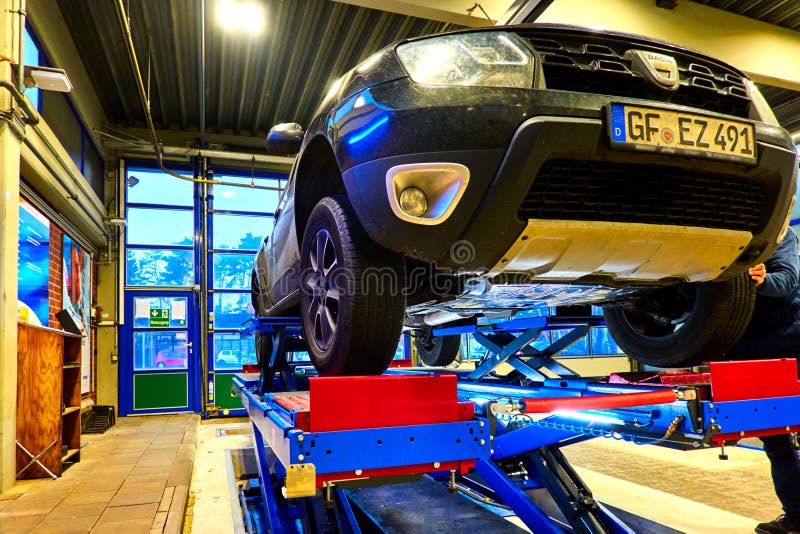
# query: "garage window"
[[159, 236], [240, 218]]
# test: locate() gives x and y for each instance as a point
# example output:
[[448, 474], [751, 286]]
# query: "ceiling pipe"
[[201, 73], [21, 63], [157, 150]]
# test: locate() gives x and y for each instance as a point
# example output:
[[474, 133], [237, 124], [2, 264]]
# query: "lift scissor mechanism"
[[331, 449]]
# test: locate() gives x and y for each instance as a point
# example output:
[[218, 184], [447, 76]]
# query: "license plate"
[[660, 130]]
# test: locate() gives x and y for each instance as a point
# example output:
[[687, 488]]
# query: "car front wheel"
[[351, 298], [684, 325]]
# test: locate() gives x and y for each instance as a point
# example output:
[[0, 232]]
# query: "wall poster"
[[33, 265], [78, 297]]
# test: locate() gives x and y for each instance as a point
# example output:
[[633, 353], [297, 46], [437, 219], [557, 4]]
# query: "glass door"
[[238, 220], [159, 365], [159, 371]]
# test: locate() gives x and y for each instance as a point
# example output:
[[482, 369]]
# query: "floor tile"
[[89, 498], [21, 524], [130, 526], [75, 525], [117, 488], [128, 498], [115, 514], [69, 511]]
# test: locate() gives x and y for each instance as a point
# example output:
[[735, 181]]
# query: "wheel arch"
[[317, 176]]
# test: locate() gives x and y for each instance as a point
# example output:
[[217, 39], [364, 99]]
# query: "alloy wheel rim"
[[323, 306]]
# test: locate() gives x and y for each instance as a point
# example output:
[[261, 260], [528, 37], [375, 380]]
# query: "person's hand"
[[758, 273]]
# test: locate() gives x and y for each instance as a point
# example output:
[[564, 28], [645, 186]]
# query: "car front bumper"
[[506, 137]]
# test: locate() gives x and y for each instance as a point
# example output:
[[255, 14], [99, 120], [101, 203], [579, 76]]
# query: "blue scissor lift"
[[494, 437]]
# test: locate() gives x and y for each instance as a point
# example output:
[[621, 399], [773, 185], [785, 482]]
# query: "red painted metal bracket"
[[754, 379]]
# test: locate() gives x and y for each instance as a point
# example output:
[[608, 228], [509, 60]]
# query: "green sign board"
[[159, 317]]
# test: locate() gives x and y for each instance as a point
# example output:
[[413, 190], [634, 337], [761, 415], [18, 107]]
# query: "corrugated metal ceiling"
[[786, 13], [251, 82]]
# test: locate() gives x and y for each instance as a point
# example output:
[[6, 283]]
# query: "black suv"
[[475, 174]]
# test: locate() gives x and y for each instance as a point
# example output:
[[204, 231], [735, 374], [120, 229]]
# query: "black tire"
[[160, 365], [436, 351], [255, 291], [709, 318], [351, 299]]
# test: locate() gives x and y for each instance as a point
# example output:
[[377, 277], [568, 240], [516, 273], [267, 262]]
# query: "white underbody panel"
[[564, 251]]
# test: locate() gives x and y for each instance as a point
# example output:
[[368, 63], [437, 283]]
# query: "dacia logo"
[[660, 69]]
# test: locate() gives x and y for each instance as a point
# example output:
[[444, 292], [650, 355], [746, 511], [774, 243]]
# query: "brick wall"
[[55, 286]]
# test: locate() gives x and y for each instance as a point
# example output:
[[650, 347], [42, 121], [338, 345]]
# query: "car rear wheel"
[[351, 299], [436, 351], [684, 325]]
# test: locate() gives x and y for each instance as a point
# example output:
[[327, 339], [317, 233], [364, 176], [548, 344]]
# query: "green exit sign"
[[159, 317]]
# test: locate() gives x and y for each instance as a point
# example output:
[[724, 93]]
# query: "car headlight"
[[488, 59]]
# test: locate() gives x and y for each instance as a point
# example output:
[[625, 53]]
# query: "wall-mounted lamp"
[[116, 222], [47, 78]]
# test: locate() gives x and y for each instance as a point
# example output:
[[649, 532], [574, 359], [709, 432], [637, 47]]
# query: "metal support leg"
[[35, 459], [265, 479], [345, 518], [277, 360], [514, 497], [570, 493]]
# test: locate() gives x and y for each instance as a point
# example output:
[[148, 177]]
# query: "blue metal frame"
[[687, 423], [280, 444], [126, 370], [503, 347], [754, 414], [212, 252], [374, 448]]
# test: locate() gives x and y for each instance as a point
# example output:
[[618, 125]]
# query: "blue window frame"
[[239, 220], [71, 131], [160, 235], [32, 56]]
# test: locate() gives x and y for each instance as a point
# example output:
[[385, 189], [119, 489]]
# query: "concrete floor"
[[135, 478], [132, 479], [690, 491]]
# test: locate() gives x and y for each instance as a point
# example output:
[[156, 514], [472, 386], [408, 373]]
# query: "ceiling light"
[[241, 16], [47, 78]]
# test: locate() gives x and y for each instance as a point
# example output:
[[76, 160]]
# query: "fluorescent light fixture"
[[47, 79], [241, 16]]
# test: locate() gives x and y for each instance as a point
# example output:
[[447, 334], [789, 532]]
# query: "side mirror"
[[285, 139]]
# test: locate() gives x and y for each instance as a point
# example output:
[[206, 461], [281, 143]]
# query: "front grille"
[[596, 63], [567, 189]]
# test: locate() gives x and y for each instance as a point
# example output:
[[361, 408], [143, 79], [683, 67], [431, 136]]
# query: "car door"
[[283, 254]]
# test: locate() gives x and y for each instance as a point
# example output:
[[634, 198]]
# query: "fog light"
[[413, 201]]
